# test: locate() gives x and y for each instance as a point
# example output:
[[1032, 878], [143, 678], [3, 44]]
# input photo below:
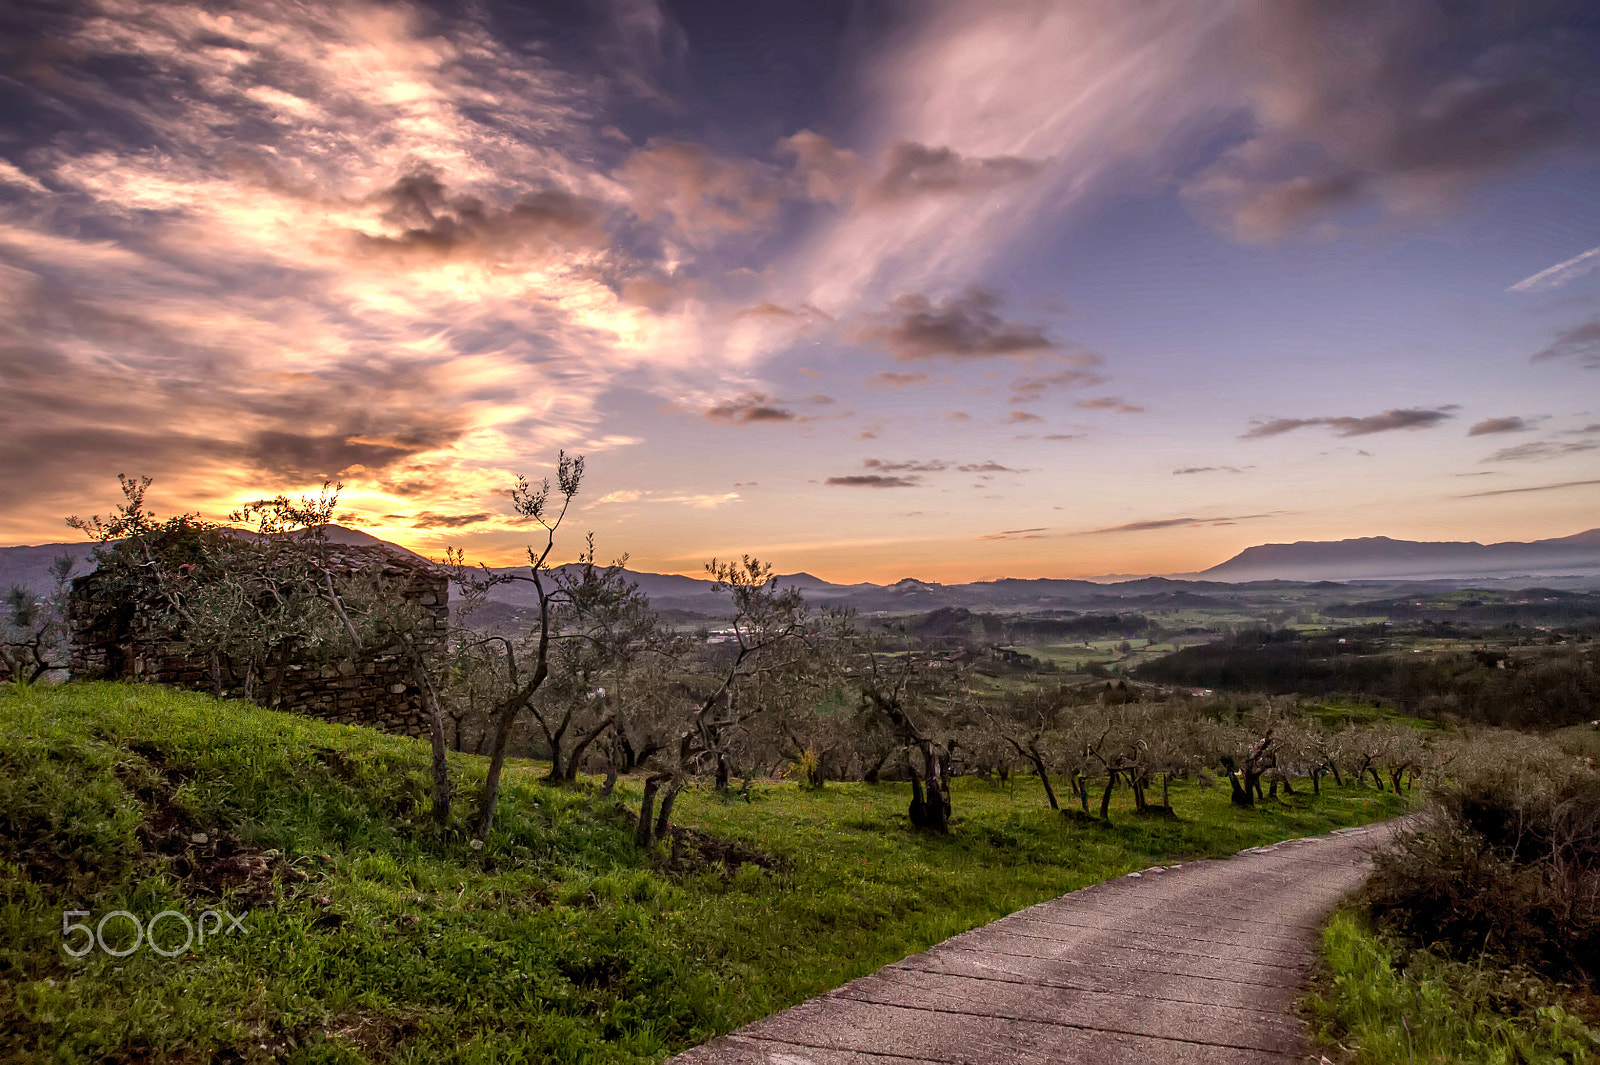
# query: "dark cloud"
[[1394, 104], [1065, 436], [1534, 488], [1580, 343], [432, 223], [1499, 425], [430, 519], [1409, 418], [1208, 469], [873, 480], [1017, 417], [751, 407], [986, 467], [965, 326], [324, 456], [916, 170], [1540, 450]]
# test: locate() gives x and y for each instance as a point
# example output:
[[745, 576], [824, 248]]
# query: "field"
[[372, 938]]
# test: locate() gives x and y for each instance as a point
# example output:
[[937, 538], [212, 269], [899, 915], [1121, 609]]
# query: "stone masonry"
[[374, 687]]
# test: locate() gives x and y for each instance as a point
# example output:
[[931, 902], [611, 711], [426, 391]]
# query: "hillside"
[[368, 938], [1379, 557]]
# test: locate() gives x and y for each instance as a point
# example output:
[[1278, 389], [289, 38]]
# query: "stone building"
[[373, 687]]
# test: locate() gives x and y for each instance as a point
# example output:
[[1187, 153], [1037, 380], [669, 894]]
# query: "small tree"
[[772, 636], [520, 681], [916, 696], [33, 630]]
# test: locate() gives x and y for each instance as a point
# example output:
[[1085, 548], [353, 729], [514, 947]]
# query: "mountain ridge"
[[1325, 562]]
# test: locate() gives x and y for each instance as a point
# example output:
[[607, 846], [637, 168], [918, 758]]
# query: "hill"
[[367, 937], [1379, 557]]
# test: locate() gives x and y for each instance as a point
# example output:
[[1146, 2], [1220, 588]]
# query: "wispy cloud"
[[1015, 534], [1581, 342], [1174, 523], [1388, 421], [1533, 488], [1541, 450], [1560, 273], [1209, 469]]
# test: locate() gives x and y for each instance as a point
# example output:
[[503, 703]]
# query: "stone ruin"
[[373, 687]]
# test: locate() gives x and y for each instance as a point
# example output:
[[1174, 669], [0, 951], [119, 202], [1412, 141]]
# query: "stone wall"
[[373, 687]]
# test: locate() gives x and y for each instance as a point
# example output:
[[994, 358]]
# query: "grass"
[[1384, 1003], [371, 938]]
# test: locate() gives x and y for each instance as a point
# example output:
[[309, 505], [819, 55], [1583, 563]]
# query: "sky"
[[945, 290]]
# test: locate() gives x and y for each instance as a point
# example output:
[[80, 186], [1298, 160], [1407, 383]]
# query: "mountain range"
[[1263, 570]]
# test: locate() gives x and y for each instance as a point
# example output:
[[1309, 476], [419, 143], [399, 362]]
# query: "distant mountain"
[[1268, 573], [1380, 558]]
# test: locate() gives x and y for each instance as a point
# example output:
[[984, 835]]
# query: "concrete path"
[[1187, 964]]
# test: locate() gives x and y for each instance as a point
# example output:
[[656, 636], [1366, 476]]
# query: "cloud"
[[1560, 273], [428, 519], [751, 407], [824, 172], [914, 170], [1534, 488], [1030, 388], [1111, 403], [1015, 534], [702, 196], [1581, 342], [1389, 420], [872, 480], [1017, 417], [928, 466], [1398, 107], [965, 326], [283, 242], [1065, 436], [1209, 469], [426, 221], [1540, 450], [987, 467], [897, 380], [1499, 425], [1174, 523], [699, 500]]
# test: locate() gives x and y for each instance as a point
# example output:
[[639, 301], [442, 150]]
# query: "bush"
[[1507, 863]]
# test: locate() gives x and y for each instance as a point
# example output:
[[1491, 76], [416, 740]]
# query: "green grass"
[[1383, 1004], [372, 939]]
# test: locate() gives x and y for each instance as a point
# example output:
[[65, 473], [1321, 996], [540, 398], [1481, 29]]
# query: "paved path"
[[1188, 964]]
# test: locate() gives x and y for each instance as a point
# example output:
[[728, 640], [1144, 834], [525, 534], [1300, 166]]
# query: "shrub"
[[1506, 863]]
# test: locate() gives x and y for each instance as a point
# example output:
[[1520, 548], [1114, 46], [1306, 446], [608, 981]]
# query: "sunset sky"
[[873, 290]]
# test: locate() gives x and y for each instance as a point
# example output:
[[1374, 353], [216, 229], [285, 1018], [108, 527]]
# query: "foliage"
[[33, 628], [1506, 864], [1523, 688]]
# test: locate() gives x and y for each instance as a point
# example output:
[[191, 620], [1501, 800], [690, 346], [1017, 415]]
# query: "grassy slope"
[[369, 940], [1382, 1003]]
